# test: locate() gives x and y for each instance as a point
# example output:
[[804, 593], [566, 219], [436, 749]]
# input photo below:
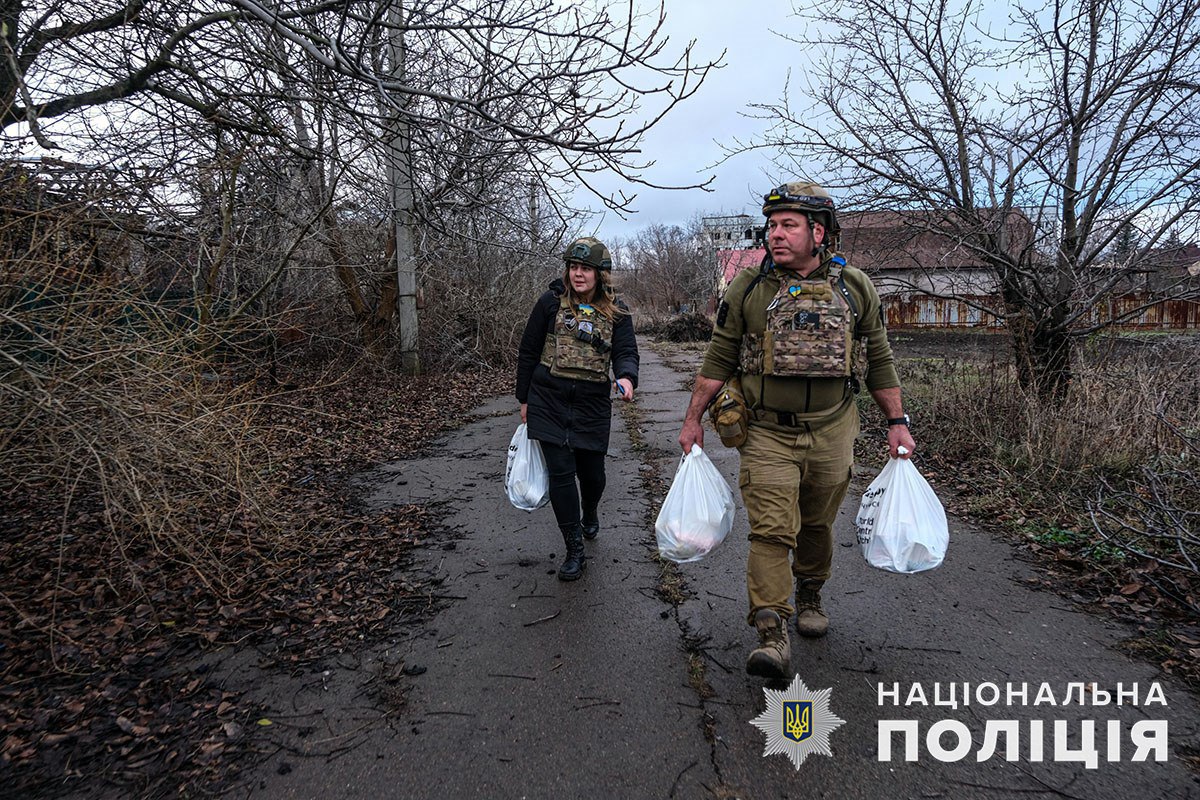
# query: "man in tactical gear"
[[577, 333], [796, 330]]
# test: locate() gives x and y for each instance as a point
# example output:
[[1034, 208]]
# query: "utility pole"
[[403, 199]]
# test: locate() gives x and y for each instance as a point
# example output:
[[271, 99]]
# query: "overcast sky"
[[686, 144]]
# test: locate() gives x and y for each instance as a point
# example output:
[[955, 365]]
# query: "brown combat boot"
[[773, 658], [811, 620]]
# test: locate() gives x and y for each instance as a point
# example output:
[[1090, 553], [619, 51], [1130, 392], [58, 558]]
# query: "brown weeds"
[[1107, 474]]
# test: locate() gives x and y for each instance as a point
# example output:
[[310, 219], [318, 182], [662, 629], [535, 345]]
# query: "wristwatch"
[[899, 421]]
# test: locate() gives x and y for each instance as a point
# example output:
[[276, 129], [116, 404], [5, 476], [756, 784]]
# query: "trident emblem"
[[797, 719]]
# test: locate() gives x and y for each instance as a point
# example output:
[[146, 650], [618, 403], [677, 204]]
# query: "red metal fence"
[[923, 311]]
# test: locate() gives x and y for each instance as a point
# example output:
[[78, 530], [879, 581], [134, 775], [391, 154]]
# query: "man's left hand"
[[625, 390], [899, 436]]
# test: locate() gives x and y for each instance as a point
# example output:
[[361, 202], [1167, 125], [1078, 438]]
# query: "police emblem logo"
[[797, 722]]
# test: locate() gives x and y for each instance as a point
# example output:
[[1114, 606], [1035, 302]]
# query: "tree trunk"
[[10, 18], [378, 327], [1044, 356], [400, 179], [1041, 343]]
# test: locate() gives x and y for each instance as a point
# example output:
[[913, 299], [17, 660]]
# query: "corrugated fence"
[[923, 311]]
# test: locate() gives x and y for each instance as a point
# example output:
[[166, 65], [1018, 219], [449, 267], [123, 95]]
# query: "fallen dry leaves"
[[94, 622]]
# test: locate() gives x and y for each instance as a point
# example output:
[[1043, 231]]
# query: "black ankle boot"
[[575, 562], [591, 524]]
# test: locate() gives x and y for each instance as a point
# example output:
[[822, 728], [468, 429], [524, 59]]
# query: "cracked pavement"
[[521, 686]]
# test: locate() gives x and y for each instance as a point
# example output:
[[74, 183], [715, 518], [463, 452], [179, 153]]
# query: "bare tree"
[[1032, 144], [670, 269], [447, 105]]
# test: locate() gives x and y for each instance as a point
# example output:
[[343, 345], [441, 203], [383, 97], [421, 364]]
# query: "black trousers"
[[565, 465]]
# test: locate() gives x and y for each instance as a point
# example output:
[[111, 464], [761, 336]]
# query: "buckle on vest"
[[592, 339], [786, 418]]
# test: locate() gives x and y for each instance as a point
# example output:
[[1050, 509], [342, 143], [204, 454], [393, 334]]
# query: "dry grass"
[[1104, 472], [161, 497], [104, 398], [1122, 412]]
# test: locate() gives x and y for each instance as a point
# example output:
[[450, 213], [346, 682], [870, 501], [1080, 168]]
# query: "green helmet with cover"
[[590, 251], [806, 197]]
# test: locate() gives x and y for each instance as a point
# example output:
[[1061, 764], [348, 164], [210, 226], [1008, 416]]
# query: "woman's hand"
[[624, 387], [524, 413]]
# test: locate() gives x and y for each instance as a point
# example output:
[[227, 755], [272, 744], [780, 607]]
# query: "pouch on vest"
[[729, 414]]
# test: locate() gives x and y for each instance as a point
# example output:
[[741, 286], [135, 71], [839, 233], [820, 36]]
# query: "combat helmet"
[[809, 199], [591, 251]]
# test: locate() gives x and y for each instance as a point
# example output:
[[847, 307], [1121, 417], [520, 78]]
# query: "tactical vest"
[[809, 331], [580, 346]]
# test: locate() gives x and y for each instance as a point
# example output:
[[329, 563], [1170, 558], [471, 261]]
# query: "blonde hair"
[[604, 296]]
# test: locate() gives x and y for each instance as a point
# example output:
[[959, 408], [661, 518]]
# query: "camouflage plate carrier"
[[810, 330], [580, 347]]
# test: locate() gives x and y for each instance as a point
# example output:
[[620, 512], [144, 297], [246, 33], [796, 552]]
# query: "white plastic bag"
[[901, 525], [697, 513], [526, 478]]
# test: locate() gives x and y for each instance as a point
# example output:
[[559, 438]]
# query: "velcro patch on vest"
[[809, 320]]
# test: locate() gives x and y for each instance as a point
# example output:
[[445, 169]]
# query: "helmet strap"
[[817, 248]]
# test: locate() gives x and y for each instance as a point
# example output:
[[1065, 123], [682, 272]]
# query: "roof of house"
[[1175, 260], [876, 241]]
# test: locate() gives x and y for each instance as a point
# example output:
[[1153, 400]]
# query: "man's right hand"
[[703, 392], [692, 433], [524, 412]]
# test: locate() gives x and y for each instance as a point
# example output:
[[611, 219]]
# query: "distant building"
[[927, 278], [904, 257], [732, 232], [1172, 266], [732, 262]]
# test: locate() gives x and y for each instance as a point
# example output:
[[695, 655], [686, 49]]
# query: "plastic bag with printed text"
[[526, 478], [697, 513], [901, 524]]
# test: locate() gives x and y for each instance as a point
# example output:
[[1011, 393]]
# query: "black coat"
[[564, 411]]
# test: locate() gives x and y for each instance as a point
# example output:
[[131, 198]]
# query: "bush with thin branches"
[[1116, 457], [111, 400]]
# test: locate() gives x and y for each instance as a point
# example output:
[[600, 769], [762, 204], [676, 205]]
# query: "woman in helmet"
[[578, 338]]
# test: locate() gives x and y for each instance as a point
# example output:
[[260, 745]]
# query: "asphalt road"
[[526, 687]]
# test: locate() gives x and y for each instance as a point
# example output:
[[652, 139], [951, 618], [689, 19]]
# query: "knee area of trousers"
[[775, 546]]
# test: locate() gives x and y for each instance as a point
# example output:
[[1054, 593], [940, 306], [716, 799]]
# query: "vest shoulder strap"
[[838, 275], [764, 269]]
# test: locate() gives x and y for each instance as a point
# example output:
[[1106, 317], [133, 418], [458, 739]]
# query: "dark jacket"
[[562, 411]]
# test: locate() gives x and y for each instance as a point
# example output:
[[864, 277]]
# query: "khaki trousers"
[[792, 486]]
